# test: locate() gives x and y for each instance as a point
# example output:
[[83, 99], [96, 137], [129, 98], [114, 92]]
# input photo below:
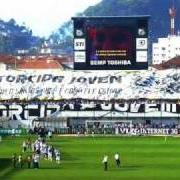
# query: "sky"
[[42, 16]]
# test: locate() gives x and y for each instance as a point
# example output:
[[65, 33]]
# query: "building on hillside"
[[35, 62], [52, 50], [39, 63], [22, 51], [169, 47], [7, 62], [166, 49]]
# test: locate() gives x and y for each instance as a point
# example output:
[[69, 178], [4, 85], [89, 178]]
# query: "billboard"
[[110, 43]]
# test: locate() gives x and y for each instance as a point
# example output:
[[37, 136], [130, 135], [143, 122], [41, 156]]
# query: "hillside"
[[14, 37], [158, 10]]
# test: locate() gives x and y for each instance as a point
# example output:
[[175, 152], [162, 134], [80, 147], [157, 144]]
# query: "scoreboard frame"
[[111, 43]]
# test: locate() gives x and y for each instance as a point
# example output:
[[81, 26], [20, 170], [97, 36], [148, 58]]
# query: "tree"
[[12, 22]]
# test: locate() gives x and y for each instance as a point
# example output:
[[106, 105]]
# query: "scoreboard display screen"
[[111, 43]]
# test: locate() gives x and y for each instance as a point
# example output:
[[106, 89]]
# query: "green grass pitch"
[[143, 158]]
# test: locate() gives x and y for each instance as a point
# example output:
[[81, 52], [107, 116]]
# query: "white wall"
[[2, 66], [166, 49]]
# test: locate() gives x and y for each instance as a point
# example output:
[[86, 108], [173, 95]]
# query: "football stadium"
[[111, 117]]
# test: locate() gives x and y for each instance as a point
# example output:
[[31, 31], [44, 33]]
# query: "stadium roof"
[[39, 64], [7, 59], [36, 62], [172, 63]]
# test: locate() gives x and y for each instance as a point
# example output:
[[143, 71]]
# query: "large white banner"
[[98, 85], [30, 111]]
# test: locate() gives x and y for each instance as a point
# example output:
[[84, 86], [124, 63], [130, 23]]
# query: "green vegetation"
[[143, 158], [129, 2], [159, 25], [14, 36]]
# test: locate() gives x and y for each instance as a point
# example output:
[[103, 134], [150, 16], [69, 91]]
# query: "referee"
[[117, 159]]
